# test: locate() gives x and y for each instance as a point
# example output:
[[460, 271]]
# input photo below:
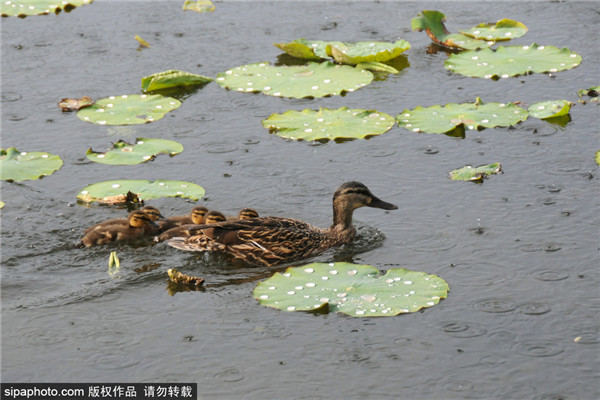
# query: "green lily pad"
[[143, 189], [592, 92], [468, 173], [312, 80], [509, 61], [432, 22], [129, 109], [23, 166], [363, 52], [505, 29], [200, 6], [343, 123], [356, 290], [442, 119], [24, 8], [549, 109], [306, 49], [143, 150], [172, 78]]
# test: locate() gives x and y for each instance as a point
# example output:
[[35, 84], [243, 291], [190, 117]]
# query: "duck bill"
[[378, 203]]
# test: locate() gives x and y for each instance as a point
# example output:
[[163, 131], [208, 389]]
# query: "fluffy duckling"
[[152, 212], [196, 216], [269, 241], [245, 213], [130, 228], [214, 217], [211, 217]]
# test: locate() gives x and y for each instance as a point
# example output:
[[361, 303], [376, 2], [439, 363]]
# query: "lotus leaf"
[[343, 123], [306, 49], [549, 109], [377, 67], [128, 154], [509, 61], [312, 80], [198, 6], [505, 29], [468, 173], [432, 22], [143, 189], [172, 78], [598, 157], [23, 8], [22, 166], [592, 92], [128, 109], [441, 119], [356, 290], [354, 53]]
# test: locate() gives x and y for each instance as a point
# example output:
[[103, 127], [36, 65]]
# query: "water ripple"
[[533, 308], [495, 305], [462, 329], [550, 275], [539, 348]]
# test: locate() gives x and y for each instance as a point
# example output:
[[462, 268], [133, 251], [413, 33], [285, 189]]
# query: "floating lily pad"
[[356, 290], [468, 173], [23, 166], [143, 189], [509, 61], [432, 22], [441, 119], [549, 109], [312, 80], [129, 109], [591, 92], [172, 78], [362, 52], [200, 6], [306, 49], [343, 123], [143, 150], [23, 8], [505, 29]]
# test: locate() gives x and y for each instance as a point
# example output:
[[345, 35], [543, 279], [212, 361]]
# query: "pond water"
[[519, 252]]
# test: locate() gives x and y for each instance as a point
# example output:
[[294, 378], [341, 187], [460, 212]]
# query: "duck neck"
[[342, 217]]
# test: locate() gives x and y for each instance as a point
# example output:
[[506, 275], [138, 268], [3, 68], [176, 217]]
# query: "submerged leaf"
[[99, 192], [468, 173], [75, 104], [442, 119], [143, 150], [343, 123], [23, 8], [172, 78], [549, 109], [509, 61], [128, 109], [311, 80], [22, 166], [432, 22], [505, 29], [200, 6], [352, 289]]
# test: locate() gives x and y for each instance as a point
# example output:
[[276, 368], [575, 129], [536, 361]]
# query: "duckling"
[[211, 217], [269, 241], [196, 216], [152, 212], [245, 213], [130, 228]]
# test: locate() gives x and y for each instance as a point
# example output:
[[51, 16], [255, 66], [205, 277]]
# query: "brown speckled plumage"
[[274, 240], [135, 226], [196, 216]]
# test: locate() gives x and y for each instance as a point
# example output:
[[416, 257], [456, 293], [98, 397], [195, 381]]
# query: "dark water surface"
[[520, 252]]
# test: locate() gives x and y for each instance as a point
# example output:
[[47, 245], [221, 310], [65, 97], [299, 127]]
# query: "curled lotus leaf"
[[549, 109], [129, 109], [144, 149], [505, 29], [507, 61], [475, 174], [364, 52], [352, 289], [442, 119], [200, 6], [306, 49], [432, 22], [17, 166], [327, 124], [24, 8], [143, 189], [597, 157], [312, 80], [172, 78]]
